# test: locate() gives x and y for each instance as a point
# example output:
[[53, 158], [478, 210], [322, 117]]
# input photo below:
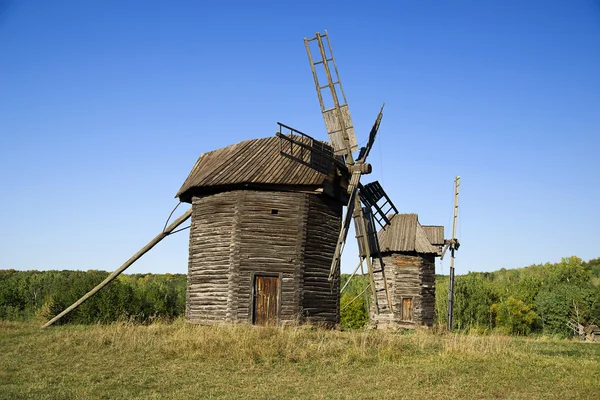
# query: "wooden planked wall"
[[209, 258], [428, 289], [237, 234], [269, 243], [321, 299]]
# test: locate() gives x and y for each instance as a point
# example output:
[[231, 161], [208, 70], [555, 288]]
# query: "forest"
[[538, 299]]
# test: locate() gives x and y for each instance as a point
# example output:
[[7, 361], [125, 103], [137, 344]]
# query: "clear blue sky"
[[106, 105]]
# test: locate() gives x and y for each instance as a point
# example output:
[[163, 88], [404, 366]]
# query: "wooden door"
[[266, 299], [407, 309]]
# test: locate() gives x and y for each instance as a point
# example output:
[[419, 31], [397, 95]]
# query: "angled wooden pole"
[[352, 276], [452, 249], [123, 267]]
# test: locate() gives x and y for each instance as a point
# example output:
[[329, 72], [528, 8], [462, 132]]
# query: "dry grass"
[[185, 361]]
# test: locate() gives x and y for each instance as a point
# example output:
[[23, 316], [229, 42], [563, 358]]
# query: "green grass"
[[178, 361]]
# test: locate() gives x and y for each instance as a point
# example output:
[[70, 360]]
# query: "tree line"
[[538, 299], [25, 295]]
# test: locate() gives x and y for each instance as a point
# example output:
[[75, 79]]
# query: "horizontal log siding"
[[209, 258], [428, 290], [235, 235], [408, 276], [270, 243], [321, 301]]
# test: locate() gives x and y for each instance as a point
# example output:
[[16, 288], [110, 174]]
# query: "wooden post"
[[365, 287], [452, 248], [123, 267]]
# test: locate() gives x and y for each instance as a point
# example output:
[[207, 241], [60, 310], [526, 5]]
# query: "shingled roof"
[[405, 234], [256, 162]]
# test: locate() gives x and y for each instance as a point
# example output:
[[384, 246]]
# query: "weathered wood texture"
[[320, 301], [268, 243], [405, 235], [239, 234], [251, 162], [209, 258], [266, 306], [410, 276]]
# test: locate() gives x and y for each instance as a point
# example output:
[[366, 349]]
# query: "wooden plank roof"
[[435, 234], [247, 163], [405, 234]]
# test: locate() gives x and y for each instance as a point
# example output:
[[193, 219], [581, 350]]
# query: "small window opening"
[[274, 211]]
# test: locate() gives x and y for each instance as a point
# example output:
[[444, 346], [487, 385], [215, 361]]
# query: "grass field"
[[178, 361]]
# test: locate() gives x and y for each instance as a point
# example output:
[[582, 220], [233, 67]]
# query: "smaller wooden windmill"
[[367, 204], [453, 245], [408, 250]]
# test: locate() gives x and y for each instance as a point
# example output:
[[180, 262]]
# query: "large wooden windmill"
[[267, 234]]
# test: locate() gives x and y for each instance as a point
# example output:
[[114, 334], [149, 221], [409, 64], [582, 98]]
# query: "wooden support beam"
[[353, 273], [123, 267], [360, 219]]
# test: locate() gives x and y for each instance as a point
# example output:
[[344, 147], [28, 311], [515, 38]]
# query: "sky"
[[105, 107]]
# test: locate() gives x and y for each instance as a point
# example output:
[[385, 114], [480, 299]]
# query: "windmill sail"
[[453, 244], [373, 195], [333, 106]]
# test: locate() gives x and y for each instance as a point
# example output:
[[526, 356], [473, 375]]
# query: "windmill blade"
[[353, 190], [373, 195], [456, 191], [369, 245], [453, 247], [364, 151], [335, 113]]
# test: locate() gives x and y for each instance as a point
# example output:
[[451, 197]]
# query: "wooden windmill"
[[453, 245], [409, 250], [367, 204], [265, 237]]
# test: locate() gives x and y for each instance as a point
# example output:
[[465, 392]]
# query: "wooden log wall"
[[428, 290], [239, 234], [209, 265], [409, 276], [269, 240], [321, 299]]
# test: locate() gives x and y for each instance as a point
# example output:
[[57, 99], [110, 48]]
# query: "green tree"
[[354, 314], [514, 316], [474, 294], [556, 305]]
